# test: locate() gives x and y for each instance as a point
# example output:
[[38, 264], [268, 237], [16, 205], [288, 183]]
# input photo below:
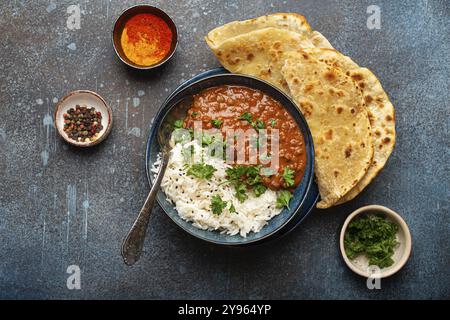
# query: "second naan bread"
[[332, 105]]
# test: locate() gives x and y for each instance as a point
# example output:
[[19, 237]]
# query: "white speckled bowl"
[[90, 99], [360, 264]]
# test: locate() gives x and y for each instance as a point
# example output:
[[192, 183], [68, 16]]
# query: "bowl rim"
[[402, 225], [61, 132], [163, 110], [174, 39]]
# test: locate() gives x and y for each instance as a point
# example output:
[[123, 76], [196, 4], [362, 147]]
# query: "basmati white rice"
[[192, 196]]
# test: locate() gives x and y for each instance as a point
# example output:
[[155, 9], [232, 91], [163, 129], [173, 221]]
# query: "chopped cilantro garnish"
[[217, 205], [217, 123], [194, 114], [201, 171], [283, 199], [259, 124], [273, 122], [259, 189], [178, 124], [235, 173], [241, 190], [246, 116], [253, 180], [232, 208], [372, 236], [243, 177], [288, 176], [207, 139]]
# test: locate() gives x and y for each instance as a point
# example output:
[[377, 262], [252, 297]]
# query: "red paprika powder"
[[146, 39]]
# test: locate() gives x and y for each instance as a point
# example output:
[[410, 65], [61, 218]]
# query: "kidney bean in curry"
[[228, 103]]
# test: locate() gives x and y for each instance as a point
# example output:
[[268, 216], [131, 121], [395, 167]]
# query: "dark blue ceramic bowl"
[[305, 195]]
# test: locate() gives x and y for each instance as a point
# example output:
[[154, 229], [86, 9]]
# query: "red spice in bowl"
[[146, 39]]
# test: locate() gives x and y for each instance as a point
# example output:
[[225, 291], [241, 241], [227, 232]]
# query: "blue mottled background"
[[61, 206]]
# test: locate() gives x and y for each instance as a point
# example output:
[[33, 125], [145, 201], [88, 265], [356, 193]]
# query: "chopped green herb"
[[273, 122], [207, 139], [259, 189], [178, 124], [232, 208], [243, 177], [235, 173], [288, 176], [217, 205], [241, 190], [252, 171], [217, 123], [283, 199], [191, 132], [253, 180], [373, 236], [246, 116], [259, 124], [201, 171], [194, 114]]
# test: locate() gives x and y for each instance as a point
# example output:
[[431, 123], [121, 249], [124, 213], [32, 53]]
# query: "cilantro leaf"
[[243, 177], [201, 171], [232, 208], [259, 189], [178, 124], [217, 205], [273, 122], [207, 139], [235, 173], [246, 116], [283, 199], [253, 180], [241, 190], [191, 132], [288, 176], [217, 123], [259, 124], [194, 114]]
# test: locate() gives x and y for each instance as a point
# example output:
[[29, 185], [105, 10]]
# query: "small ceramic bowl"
[[90, 99], [120, 24], [402, 252]]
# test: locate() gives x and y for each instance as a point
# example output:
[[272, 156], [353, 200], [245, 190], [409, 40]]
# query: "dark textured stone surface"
[[61, 206]]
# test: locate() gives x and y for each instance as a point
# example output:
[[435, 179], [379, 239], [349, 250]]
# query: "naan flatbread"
[[331, 102], [380, 111], [260, 53], [285, 21]]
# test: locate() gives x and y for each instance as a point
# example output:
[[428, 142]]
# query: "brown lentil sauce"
[[228, 103]]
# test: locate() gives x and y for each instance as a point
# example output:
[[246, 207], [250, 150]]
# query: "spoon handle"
[[134, 241]]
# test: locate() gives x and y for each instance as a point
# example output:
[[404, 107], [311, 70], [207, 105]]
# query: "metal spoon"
[[134, 240]]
